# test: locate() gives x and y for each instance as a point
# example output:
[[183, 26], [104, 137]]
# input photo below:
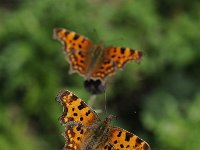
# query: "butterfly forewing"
[[74, 109], [72, 40]]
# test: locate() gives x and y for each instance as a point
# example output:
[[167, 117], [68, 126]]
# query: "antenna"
[[105, 101], [91, 100]]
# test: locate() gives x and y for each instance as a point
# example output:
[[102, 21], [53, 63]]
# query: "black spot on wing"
[[76, 36], [87, 113], [108, 147], [81, 131], [82, 105], [113, 56], [123, 50], [81, 61], [78, 128], [139, 141], [70, 119], [74, 97], [81, 54], [79, 46], [83, 40], [128, 136], [121, 145], [132, 51], [119, 134], [106, 61], [81, 119], [78, 138], [67, 33]]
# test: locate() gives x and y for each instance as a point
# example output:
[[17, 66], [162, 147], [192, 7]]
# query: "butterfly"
[[94, 62], [85, 131]]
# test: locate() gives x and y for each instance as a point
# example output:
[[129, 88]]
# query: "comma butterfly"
[[85, 131], [94, 62]]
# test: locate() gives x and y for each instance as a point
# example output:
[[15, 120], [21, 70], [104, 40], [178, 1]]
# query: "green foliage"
[[158, 99]]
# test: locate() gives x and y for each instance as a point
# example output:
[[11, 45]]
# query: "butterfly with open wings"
[[94, 62]]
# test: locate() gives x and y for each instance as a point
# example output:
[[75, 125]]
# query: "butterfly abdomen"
[[97, 137]]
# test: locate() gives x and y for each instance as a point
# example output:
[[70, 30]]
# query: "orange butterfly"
[[94, 62], [85, 130]]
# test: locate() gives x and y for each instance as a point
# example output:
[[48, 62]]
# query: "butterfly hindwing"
[[74, 134]]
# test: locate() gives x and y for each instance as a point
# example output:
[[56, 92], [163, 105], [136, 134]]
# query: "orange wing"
[[74, 135], [76, 47], [124, 140], [76, 139], [115, 59], [74, 109]]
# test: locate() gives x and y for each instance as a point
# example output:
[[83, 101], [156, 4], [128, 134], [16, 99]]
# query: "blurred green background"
[[158, 100]]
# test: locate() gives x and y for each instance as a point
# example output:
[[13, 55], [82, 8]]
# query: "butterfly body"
[[91, 137], [96, 136], [85, 130], [96, 54]]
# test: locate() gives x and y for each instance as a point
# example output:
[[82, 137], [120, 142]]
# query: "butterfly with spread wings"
[[94, 62]]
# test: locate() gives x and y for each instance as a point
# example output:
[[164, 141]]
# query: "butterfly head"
[[94, 86]]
